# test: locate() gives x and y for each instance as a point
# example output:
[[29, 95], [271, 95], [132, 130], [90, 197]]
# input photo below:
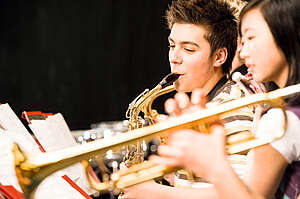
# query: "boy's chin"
[[182, 89]]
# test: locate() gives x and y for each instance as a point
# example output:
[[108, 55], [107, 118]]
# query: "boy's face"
[[190, 56]]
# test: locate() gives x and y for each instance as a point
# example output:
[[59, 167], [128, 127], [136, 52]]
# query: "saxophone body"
[[142, 104]]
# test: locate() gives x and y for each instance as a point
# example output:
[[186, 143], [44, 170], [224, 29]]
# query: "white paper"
[[13, 131], [11, 123], [7, 168], [53, 133]]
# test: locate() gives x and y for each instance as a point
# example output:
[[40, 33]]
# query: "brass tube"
[[33, 168]]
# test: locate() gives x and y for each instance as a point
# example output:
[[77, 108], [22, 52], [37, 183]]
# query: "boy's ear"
[[220, 57]]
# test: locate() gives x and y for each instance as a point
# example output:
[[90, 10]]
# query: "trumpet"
[[31, 169]]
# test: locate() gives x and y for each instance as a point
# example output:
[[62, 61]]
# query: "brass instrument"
[[143, 103], [31, 169]]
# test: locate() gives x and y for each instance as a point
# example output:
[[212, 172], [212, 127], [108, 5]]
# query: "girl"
[[271, 50]]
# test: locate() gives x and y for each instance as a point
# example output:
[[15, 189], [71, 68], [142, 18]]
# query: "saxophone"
[[143, 103]]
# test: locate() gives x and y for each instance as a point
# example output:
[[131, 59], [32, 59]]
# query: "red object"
[[255, 86], [93, 174], [28, 116], [75, 186], [10, 192], [31, 115], [39, 144]]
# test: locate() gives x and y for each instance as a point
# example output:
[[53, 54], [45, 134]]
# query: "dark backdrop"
[[85, 59]]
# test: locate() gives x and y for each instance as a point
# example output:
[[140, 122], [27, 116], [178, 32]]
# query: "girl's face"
[[264, 59]]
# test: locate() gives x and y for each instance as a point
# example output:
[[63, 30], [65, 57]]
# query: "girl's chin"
[[258, 78]]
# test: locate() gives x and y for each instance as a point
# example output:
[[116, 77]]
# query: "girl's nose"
[[243, 51]]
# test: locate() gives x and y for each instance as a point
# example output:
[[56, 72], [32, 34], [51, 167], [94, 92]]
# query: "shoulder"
[[234, 121], [229, 91], [273, 122]]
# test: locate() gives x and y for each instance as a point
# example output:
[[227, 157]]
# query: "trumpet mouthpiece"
[[237, 76], [240, 79]]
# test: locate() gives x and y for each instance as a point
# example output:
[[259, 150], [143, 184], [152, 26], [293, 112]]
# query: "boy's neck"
[[212, 82]]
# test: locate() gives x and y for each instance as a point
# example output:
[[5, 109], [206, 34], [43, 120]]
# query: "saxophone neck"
[[148, 108], [143, 102], [138, 105]]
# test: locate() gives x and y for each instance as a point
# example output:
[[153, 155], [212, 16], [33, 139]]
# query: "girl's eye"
[[171, 46], [242, 44]]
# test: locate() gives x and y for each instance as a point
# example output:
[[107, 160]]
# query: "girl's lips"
[[250, 69], [249, 66]]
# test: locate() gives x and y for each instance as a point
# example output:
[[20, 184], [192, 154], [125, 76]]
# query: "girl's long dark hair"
[[283, 19]]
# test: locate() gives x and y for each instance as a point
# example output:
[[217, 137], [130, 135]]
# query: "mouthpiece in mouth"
[[168, 80], [243, 82], [237, 76]]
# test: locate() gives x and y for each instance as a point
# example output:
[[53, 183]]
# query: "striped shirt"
[[236, 123]]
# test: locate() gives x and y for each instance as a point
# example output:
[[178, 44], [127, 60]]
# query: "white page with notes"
[[53, 133], [54, 186], [10, 122]]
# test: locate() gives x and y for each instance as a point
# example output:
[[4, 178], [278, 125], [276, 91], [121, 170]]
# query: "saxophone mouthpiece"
[[168, 80]]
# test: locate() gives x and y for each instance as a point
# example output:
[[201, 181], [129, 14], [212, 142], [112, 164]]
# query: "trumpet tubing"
[[33, 168]]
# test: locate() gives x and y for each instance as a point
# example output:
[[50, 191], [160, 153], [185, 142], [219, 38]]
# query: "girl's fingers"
[[169, 151], [164, 161], [171, 107], [183, 101], [198, 98]]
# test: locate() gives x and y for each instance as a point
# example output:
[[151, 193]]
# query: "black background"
[[85, 59]]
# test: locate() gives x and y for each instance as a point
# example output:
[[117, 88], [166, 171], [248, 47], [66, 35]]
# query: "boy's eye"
[[189, 50]]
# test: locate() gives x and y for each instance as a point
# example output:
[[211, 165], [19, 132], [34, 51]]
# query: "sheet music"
[[7, 169], [53, 133], [17, 131], [54, 186]]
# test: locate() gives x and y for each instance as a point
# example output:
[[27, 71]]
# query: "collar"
[[216, 88]]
